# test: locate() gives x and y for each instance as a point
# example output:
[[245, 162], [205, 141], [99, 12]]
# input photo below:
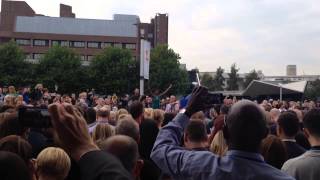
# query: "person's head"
[[274, 151], [53, 163], [17, 145], [126, 150], [9, 100], [167, 118], [173, 99], [148, 134], [90, 115], [219, 145], [136, 92], [224, 109], [198, 115], [113, 118], [195, 135], [39, 87], [120, 112], [311, 122], [12, 90], [288, 125], [246, 126], [101, 132], [10, 125], [136, 111], [103, 113], [148, 113], [158, 116], [213, 113], [274, 114], [13, 167], [83, 95], [126, 125]]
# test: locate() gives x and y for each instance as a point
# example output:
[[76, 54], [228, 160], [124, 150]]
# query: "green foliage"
[[207, 80], [253, 75], [313, 90], [232, 83], [219, 79], [165, 70], [62, 67], [114, 71], [13, 69]]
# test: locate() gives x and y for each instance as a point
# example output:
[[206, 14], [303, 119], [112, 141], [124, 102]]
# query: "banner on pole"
[[145, 58]]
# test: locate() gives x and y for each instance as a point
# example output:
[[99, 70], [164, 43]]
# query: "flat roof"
[[120, 26]]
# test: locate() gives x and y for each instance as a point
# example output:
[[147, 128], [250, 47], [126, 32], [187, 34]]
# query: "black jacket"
[[99, 165], [293, 149]]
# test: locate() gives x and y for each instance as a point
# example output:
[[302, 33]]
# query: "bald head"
[[246, 126], [124, 148]]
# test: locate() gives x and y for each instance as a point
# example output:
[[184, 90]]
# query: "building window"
[[117, 45], [89, 58], [55, 43], [38, 42], [23, 42], [64, 43], [107, 44], [94, 45], [82, 57], [37, 56], [130, 46], [78, 44]]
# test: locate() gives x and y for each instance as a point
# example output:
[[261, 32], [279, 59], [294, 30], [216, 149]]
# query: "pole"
[[280, 93], [142, 67], [141, 85]]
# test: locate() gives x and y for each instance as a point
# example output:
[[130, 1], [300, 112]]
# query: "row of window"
[[39, 56], [74, 44]]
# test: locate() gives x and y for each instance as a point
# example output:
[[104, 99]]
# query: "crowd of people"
[[155, 137]]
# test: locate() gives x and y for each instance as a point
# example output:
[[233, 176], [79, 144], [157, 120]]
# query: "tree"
[[207, 80], [232, 83], [14, 70], [253, 75], [165, 70], [219, 79], [62, 67], [313, 90], [114, 71]]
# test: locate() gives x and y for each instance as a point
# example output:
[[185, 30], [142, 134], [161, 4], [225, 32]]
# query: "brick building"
[[36, 33]]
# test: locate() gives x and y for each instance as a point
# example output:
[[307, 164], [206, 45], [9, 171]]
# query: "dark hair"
[[124, 148], [136, 109], [274, 151], [246, 126], [90, 115], [196, 131], [289, 122], [224, 109], [148, 134], [167, 118], [17, 145], [10, 125], [311, 121], [13, 167]]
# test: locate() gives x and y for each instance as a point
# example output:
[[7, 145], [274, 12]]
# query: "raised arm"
[[165, 92]]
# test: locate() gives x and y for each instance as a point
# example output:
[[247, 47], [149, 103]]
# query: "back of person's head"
[[103, 112], [53, 163], [311, 122], [195, 132], [102, 131], [219, 145], [246, 126], [288, 123], [10, 125], [148, 113], [136, 109], [90, 115], [167, 118], [148, 133], [274, 113], [126, 125], [158, 116], [121, 112], [274, 151], [124, 148], [198, 115], [13, 167], [113, 118], [224, 109], [17, 145]]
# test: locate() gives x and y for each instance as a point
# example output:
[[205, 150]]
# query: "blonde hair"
[[158, 115], [102, 131], [148, 113], [53, 162], [121, 112], [218, 145]]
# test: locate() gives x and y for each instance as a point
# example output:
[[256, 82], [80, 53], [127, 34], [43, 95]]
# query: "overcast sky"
[[255, 34]]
